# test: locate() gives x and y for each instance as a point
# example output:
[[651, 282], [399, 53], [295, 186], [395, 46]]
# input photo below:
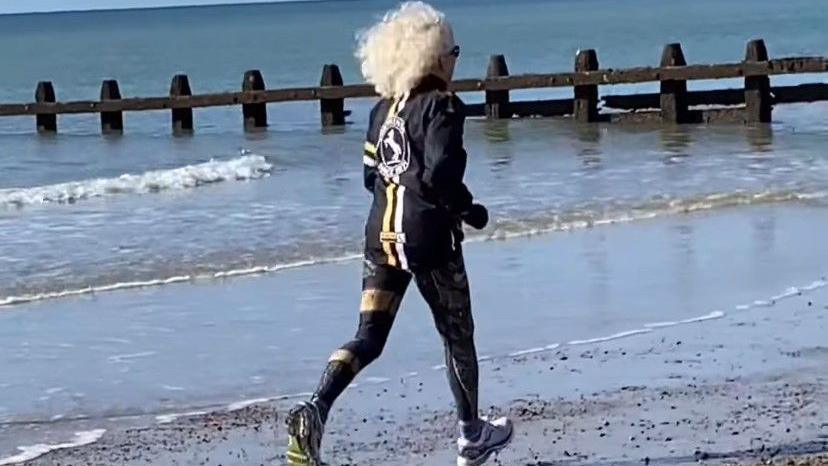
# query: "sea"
[[85, 216]]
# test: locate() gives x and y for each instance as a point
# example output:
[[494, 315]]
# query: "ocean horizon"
[[202, 4]]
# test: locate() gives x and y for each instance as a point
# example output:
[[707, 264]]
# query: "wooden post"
[[111, 122], [255, 115], [182, 118], [758, 105], [673, 92], [585, 108], [497, 102], [333, 110], [46, 122]]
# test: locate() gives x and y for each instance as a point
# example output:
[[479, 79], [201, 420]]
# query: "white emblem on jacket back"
[[394, 149]]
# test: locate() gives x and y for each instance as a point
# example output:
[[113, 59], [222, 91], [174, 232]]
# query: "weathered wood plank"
[[531, 108], [800, 93], [527, 81], [642, 102], [782, 94], [652, 101], [648, 74], [653, 117]]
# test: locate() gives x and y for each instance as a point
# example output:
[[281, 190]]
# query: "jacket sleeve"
[[369, 165], [444, 155], [369, 153]]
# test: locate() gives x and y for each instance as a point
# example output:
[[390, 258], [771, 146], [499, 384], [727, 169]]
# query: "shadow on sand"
[[761, 454]]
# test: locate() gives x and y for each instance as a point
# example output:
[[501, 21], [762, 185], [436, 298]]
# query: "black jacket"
[[414, 165]]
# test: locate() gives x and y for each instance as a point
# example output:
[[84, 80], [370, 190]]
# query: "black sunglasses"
[[455, 51]]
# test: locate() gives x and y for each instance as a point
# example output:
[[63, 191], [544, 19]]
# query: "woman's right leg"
[[446, 289], [383, 288]]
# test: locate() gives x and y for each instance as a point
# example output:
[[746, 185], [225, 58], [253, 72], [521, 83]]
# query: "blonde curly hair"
[[399, 51]]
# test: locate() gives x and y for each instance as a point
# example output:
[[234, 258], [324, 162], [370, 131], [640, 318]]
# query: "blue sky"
[[21, 6]]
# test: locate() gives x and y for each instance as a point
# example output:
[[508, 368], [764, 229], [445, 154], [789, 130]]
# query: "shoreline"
[[743, 389], [712, 203], [653, 307]]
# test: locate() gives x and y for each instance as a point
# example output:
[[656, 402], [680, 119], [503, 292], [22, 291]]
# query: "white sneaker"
[[494, 436], [305, 429]]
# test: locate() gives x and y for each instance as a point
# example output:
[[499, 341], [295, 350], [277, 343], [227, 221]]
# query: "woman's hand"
[[476, 216]]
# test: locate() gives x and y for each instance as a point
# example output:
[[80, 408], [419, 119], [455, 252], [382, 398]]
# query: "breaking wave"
[[31, 452], [245, 167], [654, 208]]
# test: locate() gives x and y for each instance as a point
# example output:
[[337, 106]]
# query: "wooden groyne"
[[673, 104]]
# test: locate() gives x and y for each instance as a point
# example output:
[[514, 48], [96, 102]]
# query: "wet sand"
[[749, 388], [112, 358]]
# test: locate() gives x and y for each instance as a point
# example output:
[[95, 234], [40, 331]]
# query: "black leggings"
[[446, 290]]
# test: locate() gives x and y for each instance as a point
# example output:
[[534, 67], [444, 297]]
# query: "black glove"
[[476, 216]]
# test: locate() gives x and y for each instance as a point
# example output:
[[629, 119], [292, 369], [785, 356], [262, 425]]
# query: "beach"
[[723, 360]]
